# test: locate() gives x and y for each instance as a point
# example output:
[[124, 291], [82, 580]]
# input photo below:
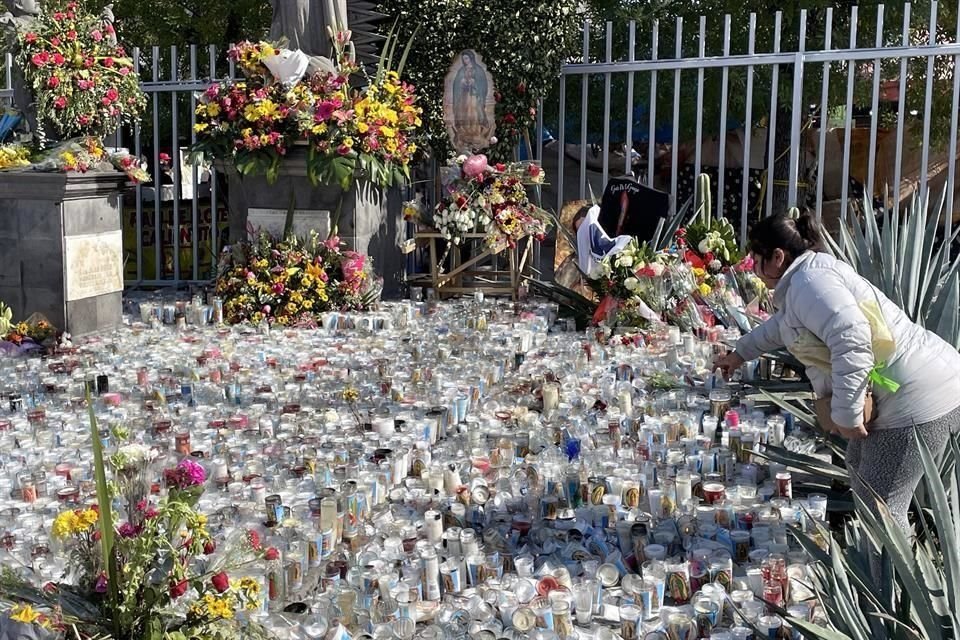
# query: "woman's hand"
[[728, 364], [856, 433]]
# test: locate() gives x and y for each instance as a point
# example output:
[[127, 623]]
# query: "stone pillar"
[[61, 248], [371, 219]]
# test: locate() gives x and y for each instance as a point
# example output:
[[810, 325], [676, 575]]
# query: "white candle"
[[625, 400], [551, 398]]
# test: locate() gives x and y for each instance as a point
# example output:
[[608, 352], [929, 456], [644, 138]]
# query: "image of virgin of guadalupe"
[[468, 105]]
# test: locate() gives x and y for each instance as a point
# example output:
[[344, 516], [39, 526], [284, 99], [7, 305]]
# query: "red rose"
[[254, 539], [60, 102], [30, 38], [108, 62], [271, 554], [209, 547], [59, 16], [510, 118], [112, 94], [71, 35], [177, 589], [55, 42], [58, 59], [53, 82], [500, 166], [220, 582]]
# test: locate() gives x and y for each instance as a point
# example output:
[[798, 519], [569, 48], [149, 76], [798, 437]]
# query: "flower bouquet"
[[493, 200], [255, 122], [151, 570], [82, 80], [292, 281]]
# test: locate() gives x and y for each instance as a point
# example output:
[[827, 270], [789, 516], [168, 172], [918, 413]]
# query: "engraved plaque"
[[94, 264]]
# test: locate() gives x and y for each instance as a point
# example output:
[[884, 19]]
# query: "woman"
[[879, 377]]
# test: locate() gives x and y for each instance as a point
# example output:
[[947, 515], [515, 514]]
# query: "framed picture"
[[469, 108]]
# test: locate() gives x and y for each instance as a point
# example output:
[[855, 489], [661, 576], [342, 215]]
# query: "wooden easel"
[[493, 281]]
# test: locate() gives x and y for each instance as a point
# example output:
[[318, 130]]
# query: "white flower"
[[715, 265], [136, 453], [657, 269], [461, 159], [704, 246], [632, 284], [624, 260]]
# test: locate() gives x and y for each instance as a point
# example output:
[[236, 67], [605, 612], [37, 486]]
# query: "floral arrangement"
[[82, 80], [489, 199], [14, 156], [348, 132], [158, 574], [292, 281], [78, 155]]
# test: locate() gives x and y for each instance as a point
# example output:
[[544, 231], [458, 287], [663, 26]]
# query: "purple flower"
[[191, 473], [127, 530], [100, 586]]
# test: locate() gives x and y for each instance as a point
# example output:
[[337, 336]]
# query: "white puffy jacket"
[[822, 295]]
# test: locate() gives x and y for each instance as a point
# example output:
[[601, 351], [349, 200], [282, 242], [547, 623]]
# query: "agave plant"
[[903, 258], [913, 593]]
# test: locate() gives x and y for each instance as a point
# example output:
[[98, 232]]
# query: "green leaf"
[[105, 522]]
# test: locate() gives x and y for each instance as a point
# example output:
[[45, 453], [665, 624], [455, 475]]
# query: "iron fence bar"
[[175, 158], [747, 134], [628, 142], [561, 142], [608, 37], [874, 109], [652, 131], [952, 154], [214, 210], [698, 149], [824, 116], [724, 90], [848, 108], [798, 110], [674, 155], [584, 107], [901, 106], [772, 123], [139, 188], [194, 174], [155, 62], [927, 105]]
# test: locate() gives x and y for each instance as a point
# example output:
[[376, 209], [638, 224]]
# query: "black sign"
[[630, 208]]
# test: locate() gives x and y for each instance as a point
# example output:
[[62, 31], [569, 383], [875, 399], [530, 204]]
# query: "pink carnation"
[[475, 165]]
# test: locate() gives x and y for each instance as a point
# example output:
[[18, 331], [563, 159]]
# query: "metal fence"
[[828, 68]]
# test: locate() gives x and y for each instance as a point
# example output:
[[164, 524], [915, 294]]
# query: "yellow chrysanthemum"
[[24, 614], [64, 525], [705, 289]]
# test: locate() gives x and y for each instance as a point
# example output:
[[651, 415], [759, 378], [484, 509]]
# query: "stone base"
[[61, 249], [371, 219]]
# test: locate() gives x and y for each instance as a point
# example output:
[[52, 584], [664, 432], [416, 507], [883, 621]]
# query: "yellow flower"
[[388, 132], [319, 129], [348, 142], [213, 109], [24, 614], [363, 127], [218, 607], [87, 519], [201, 519], [698, 272], [64, 524], [200, 127], [705, 289]]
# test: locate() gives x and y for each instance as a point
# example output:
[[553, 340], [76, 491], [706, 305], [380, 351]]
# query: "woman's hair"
[[792, 235]]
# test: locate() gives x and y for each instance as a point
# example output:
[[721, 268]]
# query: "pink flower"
[[71, 35], [127, 530], [343, 150], [96, 35], [254, 539], [332, 243], [266, 309], [58, 59], [53, 82], [100, 586], [30, 38], [59, 16], [746, 265], [124, 71], [60, 102], [108, 62], [186, 474], [55, 42], [475, 165], [278, 288]]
